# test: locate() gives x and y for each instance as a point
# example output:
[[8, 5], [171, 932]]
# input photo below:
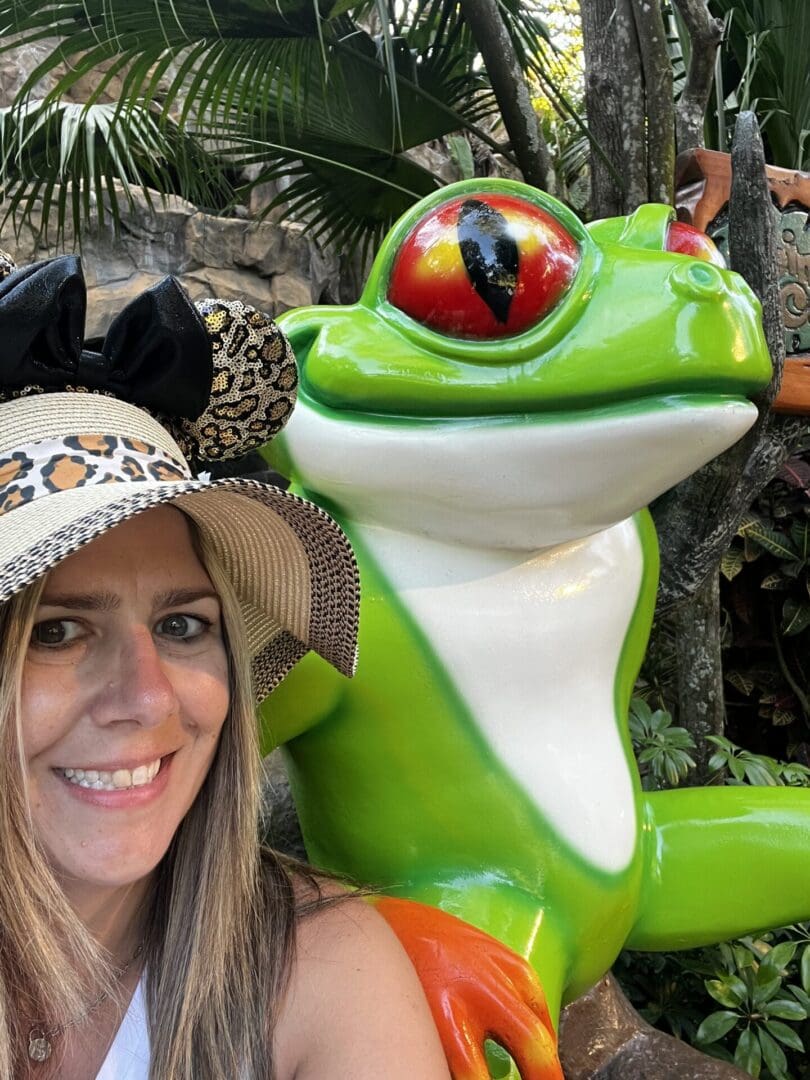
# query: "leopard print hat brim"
[[73, 466]]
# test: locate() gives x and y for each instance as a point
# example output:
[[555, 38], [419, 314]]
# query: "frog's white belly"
[[532, 643]]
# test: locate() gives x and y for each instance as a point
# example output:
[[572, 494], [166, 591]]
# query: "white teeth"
[[118, 780]]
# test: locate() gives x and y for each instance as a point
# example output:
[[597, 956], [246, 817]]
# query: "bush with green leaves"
[[765, 592], [662, 749], [745, 1001]]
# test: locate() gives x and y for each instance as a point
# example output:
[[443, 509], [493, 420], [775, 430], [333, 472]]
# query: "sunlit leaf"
[[715, 1026]]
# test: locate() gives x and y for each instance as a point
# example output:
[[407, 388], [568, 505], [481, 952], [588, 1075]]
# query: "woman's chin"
[[105, 871]]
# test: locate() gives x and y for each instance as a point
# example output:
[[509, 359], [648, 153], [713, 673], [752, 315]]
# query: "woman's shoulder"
[[354, 1007]]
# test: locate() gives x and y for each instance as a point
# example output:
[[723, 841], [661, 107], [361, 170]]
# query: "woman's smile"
[[117, 786], [125, 691]]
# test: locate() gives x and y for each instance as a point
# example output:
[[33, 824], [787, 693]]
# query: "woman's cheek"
[[50, 702], [206, 698]]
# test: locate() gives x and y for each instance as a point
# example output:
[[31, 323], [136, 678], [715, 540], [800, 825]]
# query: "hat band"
[[52, 465]]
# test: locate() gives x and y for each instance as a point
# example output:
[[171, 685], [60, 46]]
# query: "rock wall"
[[272, 265]]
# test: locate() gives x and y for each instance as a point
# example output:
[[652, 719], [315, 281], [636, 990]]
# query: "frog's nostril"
[[697, 280]]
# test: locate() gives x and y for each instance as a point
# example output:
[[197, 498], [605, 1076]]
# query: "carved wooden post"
[[697, 520]]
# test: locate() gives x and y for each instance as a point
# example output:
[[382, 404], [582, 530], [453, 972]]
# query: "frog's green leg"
[[721, 862]]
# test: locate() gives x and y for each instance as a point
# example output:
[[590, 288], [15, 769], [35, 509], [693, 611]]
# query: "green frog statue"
[[488, 423]]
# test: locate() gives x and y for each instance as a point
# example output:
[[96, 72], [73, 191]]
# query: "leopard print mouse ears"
[[219, 374]]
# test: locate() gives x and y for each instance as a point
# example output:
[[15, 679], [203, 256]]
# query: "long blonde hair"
[[220, 929]]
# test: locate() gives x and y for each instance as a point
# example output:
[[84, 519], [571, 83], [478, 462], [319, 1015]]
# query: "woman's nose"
[[137, 685]]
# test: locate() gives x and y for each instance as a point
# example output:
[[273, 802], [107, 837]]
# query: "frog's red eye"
[[484, 266], [687, 240]]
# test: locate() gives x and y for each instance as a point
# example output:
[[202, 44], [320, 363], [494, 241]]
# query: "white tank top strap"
[[128, 1056]]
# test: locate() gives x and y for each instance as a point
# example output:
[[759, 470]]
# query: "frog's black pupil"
[[490, 254], [176, 625]]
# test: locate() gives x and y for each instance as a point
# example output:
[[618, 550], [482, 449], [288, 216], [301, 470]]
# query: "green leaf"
[[732, 563], [759, 771], [804, 969], [774, 581], [778, 958], [765, 989], [786, 1035], [783, 718], [756, 530], [740, 682], [737, 768], [748, 1055], [729, 991], [795, 617], [773, 1055], [462, 155], [785, 1009], [715, 1026]]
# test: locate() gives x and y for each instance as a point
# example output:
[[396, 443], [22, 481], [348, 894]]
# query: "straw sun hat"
[[92, 433]]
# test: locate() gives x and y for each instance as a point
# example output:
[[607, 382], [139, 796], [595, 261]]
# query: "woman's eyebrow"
[[103, 601], [107, 601], [175, 597]]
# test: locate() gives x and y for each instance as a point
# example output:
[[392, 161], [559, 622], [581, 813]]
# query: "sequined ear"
[[254, 386], [7, 265]]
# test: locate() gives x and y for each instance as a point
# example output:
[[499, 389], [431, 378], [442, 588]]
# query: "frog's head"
[[512, 378]]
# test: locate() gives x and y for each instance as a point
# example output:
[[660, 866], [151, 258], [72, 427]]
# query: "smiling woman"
[[145, 932]]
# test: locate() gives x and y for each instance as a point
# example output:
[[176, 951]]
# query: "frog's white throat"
[[510, 545], [519, 483]]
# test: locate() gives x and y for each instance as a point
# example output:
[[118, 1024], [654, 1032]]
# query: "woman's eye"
[[182, 627], [55, 632]]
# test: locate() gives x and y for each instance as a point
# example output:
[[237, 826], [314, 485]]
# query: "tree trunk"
[[511, 91], [603, 81], [699, 668], [705, 34], [658, 90]]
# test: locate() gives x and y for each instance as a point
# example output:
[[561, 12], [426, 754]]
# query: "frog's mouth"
[[520, 482]]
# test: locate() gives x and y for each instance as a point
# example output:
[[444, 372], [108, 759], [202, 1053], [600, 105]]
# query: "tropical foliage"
[[745, 1001], [764, 67], [328, 100]]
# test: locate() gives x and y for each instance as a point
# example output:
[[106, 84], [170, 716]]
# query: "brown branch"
[[705, 34], [603, 105], [657, 73], [633, 108], [511, 91], [752, 238]]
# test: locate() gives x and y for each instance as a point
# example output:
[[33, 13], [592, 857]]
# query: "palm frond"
[[82, 161], [765, 61], [305, 82]]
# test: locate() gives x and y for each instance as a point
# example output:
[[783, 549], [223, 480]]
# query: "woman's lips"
[[120, 797]]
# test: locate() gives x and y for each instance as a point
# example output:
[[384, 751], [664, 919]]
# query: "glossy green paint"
[[722, 862], [393, 781], [406, 759], [676, 328]]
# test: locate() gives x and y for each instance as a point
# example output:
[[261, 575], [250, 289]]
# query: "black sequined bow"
[[157, 352]]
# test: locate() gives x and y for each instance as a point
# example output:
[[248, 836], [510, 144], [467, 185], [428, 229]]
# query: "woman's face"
[[124, 694]]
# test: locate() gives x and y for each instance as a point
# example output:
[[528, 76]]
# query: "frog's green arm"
[[721, 862]]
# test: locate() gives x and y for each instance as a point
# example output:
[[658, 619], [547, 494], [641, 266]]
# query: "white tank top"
[[128, 1057]]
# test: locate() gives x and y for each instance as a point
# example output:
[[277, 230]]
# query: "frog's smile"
[[519, 482]]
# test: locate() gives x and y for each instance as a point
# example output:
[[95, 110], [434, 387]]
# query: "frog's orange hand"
[[477, 989]]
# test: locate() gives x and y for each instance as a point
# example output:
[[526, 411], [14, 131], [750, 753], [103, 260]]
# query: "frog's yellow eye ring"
[[483, 267]]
